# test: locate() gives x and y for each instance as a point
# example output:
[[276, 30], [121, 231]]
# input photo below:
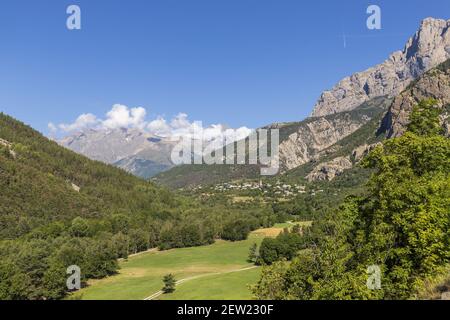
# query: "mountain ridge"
[[429, 47]]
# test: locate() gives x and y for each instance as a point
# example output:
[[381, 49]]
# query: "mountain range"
[[133, 150], [376, 94], [366, 108]]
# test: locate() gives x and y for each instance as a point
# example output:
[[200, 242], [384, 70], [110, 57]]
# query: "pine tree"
[[169, 283]]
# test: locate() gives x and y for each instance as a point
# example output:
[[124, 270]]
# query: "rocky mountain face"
[[429, 47], [312, 136], [133, 150], [329, 170], [418, 72], [434, 84]]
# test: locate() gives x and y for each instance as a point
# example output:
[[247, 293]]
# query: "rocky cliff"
[[434, 84], [329, 170], [313, 136], [429, 47]]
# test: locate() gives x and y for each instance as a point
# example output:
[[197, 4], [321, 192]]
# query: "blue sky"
[[236, 62]]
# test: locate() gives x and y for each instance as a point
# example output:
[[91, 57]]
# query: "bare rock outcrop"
[[5, 143], [329, 170], [435, 84], [8, 145], [360, 152], [429, 47], [315, 136], [75, 187]]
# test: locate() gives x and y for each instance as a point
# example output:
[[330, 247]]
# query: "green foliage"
[[184, 236], [424, 119], [253, 253], [272, 284], [79, 227], [285, 246], [169, 283], [237, 230], [400, 225]]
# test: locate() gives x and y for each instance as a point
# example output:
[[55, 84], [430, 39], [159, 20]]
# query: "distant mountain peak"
[[429, 47], [131, 149]]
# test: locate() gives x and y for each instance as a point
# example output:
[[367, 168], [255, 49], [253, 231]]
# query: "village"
[[278, 189]]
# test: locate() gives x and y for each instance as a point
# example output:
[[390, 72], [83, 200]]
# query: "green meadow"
[[228, 286], [215, 272]]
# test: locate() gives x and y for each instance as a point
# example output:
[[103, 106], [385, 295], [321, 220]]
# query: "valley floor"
[[219, 271]]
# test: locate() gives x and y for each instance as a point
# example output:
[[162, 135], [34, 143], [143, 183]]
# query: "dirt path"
[[139, 253], [157, 294]]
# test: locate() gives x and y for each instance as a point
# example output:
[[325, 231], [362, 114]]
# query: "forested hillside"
[[37, 183], [58, 209]]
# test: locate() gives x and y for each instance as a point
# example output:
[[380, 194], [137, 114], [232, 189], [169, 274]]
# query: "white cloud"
[[180, 121], [52, 127], [121, 116], [159, 127], [84, 121]]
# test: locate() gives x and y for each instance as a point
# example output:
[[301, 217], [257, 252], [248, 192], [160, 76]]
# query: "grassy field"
[[290, 224], [141, 276], [229, 286]]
